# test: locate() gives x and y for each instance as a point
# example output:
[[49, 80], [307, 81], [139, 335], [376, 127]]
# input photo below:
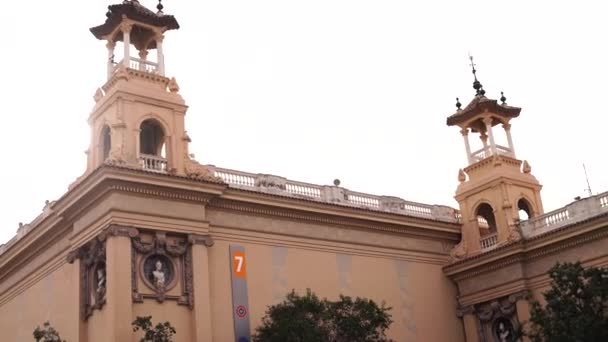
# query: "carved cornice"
[[145, 189], [301, 215]]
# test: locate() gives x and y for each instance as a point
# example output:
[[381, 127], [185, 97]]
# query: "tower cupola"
[[496, 189], [138, 117], [138, 28]]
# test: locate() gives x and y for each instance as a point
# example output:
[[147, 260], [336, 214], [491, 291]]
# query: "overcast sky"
[[319, 89]]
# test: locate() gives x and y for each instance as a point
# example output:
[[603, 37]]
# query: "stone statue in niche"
[[158, 271], [99, 283], [503, 330], [159, 276]]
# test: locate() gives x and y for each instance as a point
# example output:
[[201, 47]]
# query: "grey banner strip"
[[240, 301]]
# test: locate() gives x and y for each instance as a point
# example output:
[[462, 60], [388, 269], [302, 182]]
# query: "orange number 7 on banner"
[[239, 265]]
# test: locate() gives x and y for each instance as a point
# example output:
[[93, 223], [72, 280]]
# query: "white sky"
[[319, 89]]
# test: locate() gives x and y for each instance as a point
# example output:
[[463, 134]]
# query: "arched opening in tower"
[[151, 139], [524, 210], [106, 142], [485, 219]]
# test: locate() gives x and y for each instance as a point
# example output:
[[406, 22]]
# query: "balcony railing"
[[483, 153], [488, 242], [140, 64], [333, 194], [153, 163]]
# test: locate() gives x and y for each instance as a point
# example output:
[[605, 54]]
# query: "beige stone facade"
[[147, 230]]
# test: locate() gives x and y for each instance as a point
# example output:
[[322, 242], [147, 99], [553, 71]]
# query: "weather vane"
[[476, 84], [160, 7]]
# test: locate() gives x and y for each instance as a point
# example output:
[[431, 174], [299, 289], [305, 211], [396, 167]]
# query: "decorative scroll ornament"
[[195, 170], [173, 86], [98, 95], [514, 233], [462, 177], [459, 251], [526, 168]]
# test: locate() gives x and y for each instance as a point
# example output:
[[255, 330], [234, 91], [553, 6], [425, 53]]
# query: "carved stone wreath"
[[92, 275]]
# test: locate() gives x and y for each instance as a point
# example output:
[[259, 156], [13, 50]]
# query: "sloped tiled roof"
[[480, 104], [135, 11]]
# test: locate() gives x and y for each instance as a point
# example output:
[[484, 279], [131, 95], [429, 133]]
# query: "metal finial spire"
[[160, 7], [476, 84], [503, 99], [458, 104]]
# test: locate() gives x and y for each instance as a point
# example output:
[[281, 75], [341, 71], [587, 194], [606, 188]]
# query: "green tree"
[[47, 334], [162, 332], [309, 319], [576, 307]]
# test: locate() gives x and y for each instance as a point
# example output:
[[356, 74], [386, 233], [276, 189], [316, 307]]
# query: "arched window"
[[106, 142], [524, 209], [151, 138], [485, 219]]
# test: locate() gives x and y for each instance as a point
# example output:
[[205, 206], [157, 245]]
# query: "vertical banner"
[[240, 301]]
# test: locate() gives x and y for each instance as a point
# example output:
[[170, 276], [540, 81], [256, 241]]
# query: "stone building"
[[148, 230]]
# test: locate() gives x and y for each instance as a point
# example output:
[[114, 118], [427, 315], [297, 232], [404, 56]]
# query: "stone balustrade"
[[153, 163], [333, 194], [488, 241], [574, 212]]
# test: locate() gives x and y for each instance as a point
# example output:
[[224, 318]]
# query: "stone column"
[[488, 122], [143, 55], [161, 56], [507, 128], [484, 140], [467, 146], [126, 39], [471, 331], [110, 45], [201, 287]]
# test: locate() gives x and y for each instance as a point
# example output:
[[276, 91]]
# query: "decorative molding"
[[521, 295], [92, 275], [291, 214], [180, 256], [195, 239], [143, 189], [465, 310]]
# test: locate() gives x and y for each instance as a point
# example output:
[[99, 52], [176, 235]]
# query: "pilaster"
[[119, 308], [470, 321], [202, 288]]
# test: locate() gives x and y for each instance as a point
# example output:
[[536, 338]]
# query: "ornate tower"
[[138, 118], [496, 187]]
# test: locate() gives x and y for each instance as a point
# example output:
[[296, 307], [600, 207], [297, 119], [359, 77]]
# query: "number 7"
[[239, 265]]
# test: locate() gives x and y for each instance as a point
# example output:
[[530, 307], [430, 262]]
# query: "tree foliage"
[[576, 306], [310, 319], [47, 334], [162, 332]]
